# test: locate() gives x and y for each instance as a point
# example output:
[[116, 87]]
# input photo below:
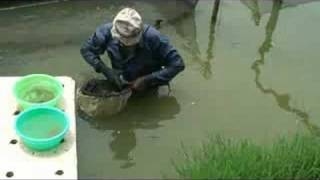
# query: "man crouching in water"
[[141, 57]]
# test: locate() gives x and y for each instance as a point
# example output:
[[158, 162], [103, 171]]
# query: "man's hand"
[[110, 74], [114, 78], [139, 84]]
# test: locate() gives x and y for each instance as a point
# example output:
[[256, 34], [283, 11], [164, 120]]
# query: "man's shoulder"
[[151, 34], [104, 28], [153, 37], [103, 33]]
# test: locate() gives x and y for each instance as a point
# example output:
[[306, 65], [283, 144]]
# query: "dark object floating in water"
[[157, 23]]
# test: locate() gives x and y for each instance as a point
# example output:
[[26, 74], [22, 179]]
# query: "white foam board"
[[23, 163]]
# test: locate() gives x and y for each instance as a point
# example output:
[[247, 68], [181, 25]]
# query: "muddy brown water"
[[252, 73]]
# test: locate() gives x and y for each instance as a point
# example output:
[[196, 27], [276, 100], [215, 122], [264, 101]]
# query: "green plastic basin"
[[42, 128], [37, 90]]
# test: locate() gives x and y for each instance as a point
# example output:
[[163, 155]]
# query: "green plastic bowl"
[[37, 90], [42, 128]]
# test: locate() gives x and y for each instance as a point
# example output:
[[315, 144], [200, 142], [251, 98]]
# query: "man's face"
[[126, 29]]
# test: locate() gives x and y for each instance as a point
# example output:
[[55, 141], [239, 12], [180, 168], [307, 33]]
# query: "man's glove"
[[140, 83], [110, 74], [113, 78]]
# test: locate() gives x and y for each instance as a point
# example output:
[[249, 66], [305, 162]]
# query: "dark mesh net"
[[101, 88], [98, 98]]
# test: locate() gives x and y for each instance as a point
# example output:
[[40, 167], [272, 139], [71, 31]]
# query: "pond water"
[[252, 73]]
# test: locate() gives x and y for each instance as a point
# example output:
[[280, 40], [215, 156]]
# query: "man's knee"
[[163, 91]]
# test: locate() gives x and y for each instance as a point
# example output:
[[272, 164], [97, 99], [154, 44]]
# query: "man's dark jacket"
[[154, 57]]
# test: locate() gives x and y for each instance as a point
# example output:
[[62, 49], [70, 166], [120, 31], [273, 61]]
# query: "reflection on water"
[[283, 100], [253, 5], [214, 95], [206, 66], [205, 61], [145, 112], [185, 26]]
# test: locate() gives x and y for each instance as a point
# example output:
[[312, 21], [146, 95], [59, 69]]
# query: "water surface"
[[252, 73]]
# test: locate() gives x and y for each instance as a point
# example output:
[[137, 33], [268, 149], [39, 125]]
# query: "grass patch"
[[220, 158]]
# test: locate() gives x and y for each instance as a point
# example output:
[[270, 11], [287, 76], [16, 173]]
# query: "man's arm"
[[94, 47], [172, 61]]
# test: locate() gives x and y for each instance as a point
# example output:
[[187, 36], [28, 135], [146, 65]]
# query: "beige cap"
[[127, 27]]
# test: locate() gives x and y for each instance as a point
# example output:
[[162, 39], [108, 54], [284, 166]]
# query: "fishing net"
[[98, 98]]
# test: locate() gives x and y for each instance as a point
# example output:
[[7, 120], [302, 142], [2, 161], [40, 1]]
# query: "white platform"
[[23, 163]]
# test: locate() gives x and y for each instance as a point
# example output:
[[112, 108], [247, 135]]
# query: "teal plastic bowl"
[[42, 128], [37, 90]]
